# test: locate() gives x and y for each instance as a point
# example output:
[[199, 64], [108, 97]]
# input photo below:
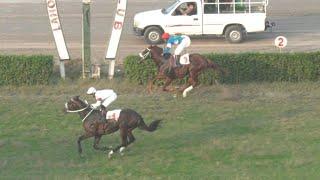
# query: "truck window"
[[168, 9], [234, 6], [257, 6], [211, 7], [226, 6], [186, 9]]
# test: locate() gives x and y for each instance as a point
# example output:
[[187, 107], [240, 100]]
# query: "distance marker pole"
[[117, 27], [86, 50]]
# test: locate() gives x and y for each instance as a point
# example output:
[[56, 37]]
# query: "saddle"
[[184, 59], [113, 115]]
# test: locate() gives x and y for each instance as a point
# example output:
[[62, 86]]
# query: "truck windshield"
[[168, 9]]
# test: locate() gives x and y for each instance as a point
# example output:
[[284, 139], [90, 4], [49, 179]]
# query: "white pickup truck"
[[231, 18]]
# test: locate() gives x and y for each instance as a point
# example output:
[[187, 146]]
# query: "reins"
[[79, 110], [73, 111], [87, 115]]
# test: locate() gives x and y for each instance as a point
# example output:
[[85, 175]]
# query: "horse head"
[[75, 104], [154, 52], [145, 53]]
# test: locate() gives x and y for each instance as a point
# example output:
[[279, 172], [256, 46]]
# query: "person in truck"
[[191, 9]]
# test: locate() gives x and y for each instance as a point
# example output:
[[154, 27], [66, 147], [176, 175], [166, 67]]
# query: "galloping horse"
[[128, 120], [197, 64]]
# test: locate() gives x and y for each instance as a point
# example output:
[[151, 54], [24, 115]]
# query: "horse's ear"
[[77, 97]]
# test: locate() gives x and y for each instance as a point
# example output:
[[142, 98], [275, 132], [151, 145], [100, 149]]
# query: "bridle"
[[74, 111], [145, 55], [79, 110]]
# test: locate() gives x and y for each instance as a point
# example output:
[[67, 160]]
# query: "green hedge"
[[25, 70], [244, 67], [139, 71]]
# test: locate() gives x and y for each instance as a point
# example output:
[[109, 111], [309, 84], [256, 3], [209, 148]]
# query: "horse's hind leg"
[[96, 143], [192, 82], [81, 138], [131, 138], [124, 141]]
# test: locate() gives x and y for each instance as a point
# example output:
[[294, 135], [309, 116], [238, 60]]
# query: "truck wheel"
[[235, 34], [152, 35]]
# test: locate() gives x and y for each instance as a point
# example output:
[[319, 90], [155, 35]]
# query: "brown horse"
[[95, 127], [198, 63]]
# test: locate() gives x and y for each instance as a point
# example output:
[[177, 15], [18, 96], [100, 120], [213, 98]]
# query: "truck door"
[[186, 18]]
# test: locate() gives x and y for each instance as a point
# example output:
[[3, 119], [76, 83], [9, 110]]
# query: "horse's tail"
[[152, 127], [215, 66]]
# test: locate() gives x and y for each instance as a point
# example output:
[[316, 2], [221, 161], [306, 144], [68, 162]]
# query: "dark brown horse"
[[198, 63], [95, 127]]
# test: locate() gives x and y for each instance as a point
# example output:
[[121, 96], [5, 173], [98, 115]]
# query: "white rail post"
[[57, 34], [116, 35]]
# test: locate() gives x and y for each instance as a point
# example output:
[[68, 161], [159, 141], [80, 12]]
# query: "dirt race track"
[[25, 29]]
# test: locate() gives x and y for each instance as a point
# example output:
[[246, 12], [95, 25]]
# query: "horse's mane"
[[77, 99]]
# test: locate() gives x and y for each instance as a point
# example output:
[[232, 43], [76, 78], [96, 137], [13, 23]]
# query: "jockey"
[[182, 41], [104, 98]]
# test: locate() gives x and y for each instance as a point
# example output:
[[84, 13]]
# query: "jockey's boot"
[[173, 62], [177, 57], [103, 114]]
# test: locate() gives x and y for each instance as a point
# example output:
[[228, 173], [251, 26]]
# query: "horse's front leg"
[[152, 81], [150, 85], [166, 84], [81, 138], [96, 143], [124, 141]]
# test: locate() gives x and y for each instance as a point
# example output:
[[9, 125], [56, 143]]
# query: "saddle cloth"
[[114, 114], [184, 59]]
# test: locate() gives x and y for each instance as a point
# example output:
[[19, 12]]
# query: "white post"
[[62, 70], [57, 34], [111, 68], [117, 27]]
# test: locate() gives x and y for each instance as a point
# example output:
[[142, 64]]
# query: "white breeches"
[[184, 43], [109, 100]]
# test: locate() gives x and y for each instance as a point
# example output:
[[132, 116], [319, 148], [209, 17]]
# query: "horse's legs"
[[192, 82], [96, 143], [131, 138], [167, 83], [81, 138], [150, 84], [152, 81], [124, 141]]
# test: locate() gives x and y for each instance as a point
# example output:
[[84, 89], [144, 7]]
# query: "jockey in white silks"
[[103, 97], [182, 41]]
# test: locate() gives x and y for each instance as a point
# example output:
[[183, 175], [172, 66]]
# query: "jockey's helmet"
[[91, 90], [165, 36]]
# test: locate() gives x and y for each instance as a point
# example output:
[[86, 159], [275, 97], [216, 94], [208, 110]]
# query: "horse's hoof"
[[121, 151], [110, 154], [184, 94]]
